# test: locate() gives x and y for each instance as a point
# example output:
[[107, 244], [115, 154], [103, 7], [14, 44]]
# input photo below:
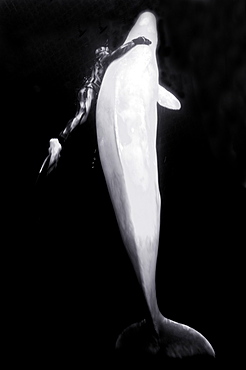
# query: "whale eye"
[[144, 21]]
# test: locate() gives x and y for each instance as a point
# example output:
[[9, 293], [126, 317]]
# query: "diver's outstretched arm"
[[122, 50]]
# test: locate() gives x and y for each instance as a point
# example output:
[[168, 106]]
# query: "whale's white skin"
[[126, 120]]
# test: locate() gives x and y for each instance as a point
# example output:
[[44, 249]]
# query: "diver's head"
[[102, 51]]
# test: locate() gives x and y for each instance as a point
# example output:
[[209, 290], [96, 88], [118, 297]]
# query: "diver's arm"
[[122, 50]]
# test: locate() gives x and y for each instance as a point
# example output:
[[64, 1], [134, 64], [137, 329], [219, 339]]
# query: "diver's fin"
[[167, 99]]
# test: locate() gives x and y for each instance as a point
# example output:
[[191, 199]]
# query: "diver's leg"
[[86, 96]]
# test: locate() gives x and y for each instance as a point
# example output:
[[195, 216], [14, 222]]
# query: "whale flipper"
[[167, 99]]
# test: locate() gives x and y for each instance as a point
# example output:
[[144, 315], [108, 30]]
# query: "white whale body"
[[126, 120]]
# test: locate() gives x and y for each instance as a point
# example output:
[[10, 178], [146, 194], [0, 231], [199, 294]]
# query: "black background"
[[70, 286]]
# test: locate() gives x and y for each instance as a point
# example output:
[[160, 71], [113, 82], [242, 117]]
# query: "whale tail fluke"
[[137, 339], [178, 340], [174, 341]]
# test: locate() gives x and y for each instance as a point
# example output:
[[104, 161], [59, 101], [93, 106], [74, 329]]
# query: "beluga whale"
[[126, 124]]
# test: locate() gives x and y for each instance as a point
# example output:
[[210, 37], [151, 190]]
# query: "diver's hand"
[[141, 40], [54, 151]]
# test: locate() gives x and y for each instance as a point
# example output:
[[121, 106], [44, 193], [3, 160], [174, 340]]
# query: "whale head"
[[145, 25]]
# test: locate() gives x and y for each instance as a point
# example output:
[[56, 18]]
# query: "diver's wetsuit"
[[86, 96], [92, 85]]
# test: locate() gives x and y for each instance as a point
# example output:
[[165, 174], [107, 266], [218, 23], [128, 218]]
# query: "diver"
[[87, 94]]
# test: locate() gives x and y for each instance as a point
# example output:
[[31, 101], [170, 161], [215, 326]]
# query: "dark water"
[[69, 285]]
